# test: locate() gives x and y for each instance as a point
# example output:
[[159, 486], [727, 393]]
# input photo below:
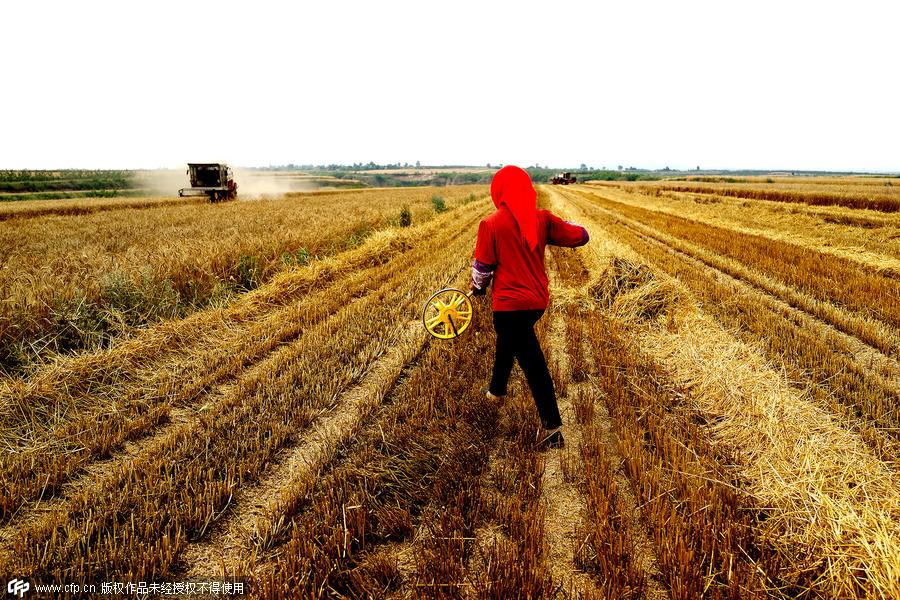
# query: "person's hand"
[[478, 292]]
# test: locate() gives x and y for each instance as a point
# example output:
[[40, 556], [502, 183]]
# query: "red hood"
[[511, 187]]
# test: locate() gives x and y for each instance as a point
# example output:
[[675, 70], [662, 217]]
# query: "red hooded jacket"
[[510, 246]]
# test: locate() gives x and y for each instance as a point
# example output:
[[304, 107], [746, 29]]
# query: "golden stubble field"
[[725, 353]]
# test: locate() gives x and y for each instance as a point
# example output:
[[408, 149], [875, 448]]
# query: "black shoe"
[[553, 440]]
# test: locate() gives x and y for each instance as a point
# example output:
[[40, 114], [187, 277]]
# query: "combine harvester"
[[563, 179], [214, 180]]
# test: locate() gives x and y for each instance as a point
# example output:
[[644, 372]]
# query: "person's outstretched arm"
[[564, 233]]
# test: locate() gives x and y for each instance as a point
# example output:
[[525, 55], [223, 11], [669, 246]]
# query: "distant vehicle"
[[214, 180], [563, 179]]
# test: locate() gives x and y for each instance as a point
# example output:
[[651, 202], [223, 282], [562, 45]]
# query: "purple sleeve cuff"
[[481, 274], [584, 235]]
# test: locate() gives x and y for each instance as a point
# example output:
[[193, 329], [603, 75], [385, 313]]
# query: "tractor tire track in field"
[[229, 545]]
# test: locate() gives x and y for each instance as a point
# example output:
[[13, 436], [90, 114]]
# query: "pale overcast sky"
[[793, 85]]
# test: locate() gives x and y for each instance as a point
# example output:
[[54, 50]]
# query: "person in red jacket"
[[510, 250]]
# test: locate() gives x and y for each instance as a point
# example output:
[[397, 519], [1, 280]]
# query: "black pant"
[[516, 340]]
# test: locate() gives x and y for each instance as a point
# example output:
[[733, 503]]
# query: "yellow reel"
[[447, 313]]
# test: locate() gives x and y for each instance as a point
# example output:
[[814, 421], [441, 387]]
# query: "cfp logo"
[[17, 587]]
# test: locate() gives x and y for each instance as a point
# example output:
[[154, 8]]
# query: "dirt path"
[[230, 545], [561, 496]]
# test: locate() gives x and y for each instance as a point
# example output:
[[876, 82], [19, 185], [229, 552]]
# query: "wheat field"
[[244, 393]]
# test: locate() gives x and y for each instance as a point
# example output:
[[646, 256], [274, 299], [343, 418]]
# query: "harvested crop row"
[[610, 535], [416, 479], [828, 525], [865, 237], [888, 201], [190, 477], [608, 549], [416, 466], [444, 551], [702, 524], [101, 427], [333, 436], [69, 381], [798, 181], [703, 534], [512, 560], [680, 491], [105, 274], [836, 286], [840, 381], [850, 386], [173, 490]]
